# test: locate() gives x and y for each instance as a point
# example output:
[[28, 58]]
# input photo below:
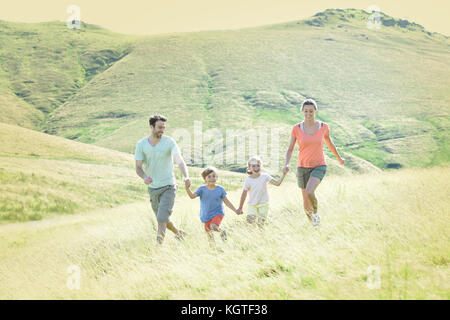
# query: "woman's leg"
[[311, 186], [307, 205]]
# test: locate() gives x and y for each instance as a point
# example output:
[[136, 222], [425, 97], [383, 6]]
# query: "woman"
[[310, 135]]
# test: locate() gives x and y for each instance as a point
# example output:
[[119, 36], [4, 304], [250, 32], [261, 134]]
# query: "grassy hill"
[[393, 222], [43, 64], [384, 91]]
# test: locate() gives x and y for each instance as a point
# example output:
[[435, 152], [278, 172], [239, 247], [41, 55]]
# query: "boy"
[[211, 207]]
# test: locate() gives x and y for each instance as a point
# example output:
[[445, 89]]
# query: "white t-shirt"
[[258, 192]]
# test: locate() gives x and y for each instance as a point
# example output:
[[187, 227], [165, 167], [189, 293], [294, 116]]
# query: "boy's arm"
[[229, 205], [191, 194]]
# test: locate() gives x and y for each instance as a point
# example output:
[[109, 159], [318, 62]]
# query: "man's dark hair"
[[156, 117]]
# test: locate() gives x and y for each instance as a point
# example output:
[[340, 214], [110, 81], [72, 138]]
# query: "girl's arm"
[[188, 190], [277, 183], [332, 147], [230, 205], [243, 196]]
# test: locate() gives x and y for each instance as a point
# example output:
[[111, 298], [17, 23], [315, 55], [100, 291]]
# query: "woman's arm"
[[332, 147], [289, 154]]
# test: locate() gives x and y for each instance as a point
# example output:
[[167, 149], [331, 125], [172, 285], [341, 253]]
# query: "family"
[[156, 154]]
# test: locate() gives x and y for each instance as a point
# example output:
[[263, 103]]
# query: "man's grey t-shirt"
[[158, 160]]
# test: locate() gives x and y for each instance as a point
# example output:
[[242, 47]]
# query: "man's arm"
[[140, 172], [183, 168]]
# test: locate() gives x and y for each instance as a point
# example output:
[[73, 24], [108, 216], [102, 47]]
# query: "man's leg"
[[165, 209], [161, 232]]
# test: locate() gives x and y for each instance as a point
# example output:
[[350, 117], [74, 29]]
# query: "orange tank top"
[[310, 153]]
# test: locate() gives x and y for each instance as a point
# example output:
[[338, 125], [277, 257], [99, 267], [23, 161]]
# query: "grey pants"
[[162, 200]]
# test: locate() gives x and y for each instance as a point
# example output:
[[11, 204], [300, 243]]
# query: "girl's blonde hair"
[[253, 159]]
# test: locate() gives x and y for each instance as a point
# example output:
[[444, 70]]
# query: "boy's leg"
[[209, 233], [215, 226]]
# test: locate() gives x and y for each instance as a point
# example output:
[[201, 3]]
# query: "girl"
[[311, 169], [256, 186]]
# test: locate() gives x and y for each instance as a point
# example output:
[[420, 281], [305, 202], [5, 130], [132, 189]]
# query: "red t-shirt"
[[310, 152]]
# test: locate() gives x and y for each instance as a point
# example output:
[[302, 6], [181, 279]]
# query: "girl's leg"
[[311, 186], [262, 215], [252, 214]]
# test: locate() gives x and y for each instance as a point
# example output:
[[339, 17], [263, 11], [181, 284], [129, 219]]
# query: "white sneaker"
[[316, 219]]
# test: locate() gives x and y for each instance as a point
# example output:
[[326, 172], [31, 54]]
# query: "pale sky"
[[163, 16]]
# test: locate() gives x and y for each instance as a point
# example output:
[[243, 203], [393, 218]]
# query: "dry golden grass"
[[396, 221]]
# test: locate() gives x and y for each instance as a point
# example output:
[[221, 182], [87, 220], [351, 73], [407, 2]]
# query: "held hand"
[[239, 211], [285, 170], [187, 182], [148, 180]]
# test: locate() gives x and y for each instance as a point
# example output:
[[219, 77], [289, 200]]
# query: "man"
[[158, 153]]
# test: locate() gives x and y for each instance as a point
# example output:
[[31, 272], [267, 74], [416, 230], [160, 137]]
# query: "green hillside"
[[43, 64], [384, 92]]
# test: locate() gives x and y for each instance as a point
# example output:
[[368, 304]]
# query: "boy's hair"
[[156, 117], [208, 171], [309, 102], [253, 159]]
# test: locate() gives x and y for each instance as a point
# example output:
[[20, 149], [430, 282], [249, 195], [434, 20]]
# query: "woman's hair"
[[309, 102], [253, 159], [209, 170]]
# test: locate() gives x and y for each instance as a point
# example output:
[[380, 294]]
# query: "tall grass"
[[396, 221]]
